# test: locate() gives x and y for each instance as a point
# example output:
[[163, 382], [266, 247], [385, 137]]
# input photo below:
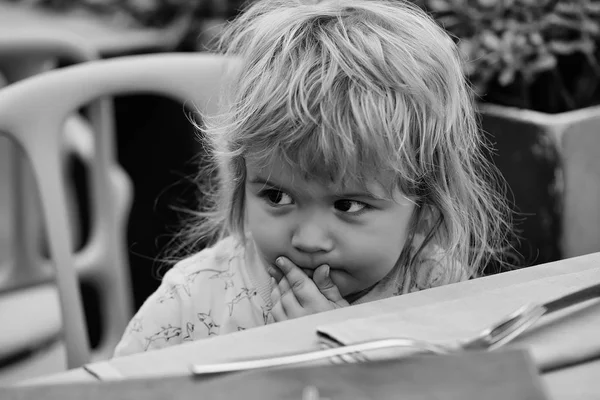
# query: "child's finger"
[[327, 286], [275, 273], [277, 310], [303, 287], [290, 303]]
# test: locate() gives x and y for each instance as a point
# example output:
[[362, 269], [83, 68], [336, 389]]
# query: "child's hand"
[[297, 295]]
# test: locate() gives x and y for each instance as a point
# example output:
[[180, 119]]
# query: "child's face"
[[357, 234]]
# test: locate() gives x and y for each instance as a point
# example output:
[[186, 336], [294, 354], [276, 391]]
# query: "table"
[[298, 335]]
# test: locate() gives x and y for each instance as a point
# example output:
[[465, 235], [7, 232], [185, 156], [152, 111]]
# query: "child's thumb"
[[327, 287]]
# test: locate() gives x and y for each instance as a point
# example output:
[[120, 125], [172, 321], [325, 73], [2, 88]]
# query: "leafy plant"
[[535, 54], [197, 20], [149, 13]]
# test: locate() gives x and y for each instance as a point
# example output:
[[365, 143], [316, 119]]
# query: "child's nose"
[[312, 236]]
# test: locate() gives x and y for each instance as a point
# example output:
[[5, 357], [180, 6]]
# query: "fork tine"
[[524, 322], [326, 343], [361, 357], [297, 358], [351, 358], [505, 330]]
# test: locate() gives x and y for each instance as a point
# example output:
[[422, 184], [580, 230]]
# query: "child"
[[350, 169]]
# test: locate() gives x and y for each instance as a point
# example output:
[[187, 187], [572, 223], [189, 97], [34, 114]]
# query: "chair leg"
[[46, 164]]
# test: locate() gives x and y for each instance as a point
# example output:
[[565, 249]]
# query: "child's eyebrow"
[[366, 194], [259, 180]]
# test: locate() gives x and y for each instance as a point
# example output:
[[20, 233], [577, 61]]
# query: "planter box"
[[552, 165]]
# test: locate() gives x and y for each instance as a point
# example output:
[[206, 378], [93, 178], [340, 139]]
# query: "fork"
[[509, 327], [490, 338]]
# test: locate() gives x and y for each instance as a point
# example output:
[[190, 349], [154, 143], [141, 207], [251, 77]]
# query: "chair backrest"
[[23, 54], [23, 263], [33, 112]]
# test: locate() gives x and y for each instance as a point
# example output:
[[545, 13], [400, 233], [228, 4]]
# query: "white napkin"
[[563, 338]]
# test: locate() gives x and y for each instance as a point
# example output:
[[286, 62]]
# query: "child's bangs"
[[326, 158], [332, 159]]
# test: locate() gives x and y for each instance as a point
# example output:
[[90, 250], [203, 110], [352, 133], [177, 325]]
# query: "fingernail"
[[327, 271], [279, 261], [273, 282]]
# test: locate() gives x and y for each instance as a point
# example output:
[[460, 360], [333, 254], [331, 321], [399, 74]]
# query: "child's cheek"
[[269, 244], [267, 231], [342, 280]]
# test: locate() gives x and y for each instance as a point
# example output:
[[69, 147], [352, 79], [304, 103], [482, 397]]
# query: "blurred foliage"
[[199, 21], [136, 13], [536, 54]]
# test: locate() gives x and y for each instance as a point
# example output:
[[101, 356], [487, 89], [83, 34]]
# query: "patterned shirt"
[[225, 288]]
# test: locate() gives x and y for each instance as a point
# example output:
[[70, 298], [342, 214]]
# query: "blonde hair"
[[342, 88]]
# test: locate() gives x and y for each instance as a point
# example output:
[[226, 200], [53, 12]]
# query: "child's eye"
[[276, 197], [351, 206]]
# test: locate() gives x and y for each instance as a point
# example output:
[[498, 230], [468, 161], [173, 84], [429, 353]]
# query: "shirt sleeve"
[[158, 322], [202, 296]]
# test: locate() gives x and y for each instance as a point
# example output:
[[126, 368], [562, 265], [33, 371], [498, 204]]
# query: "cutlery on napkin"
[[565, 337]]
